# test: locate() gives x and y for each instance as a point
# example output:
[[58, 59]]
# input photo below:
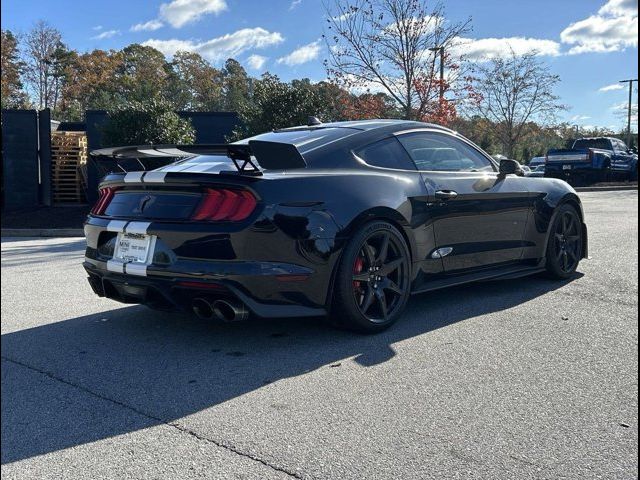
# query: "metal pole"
[[630, 82], [441, 74], [435, 50]]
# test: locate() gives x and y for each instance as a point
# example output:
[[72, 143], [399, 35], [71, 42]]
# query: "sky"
[[590, 44]]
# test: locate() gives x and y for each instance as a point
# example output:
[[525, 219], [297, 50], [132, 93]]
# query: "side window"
[[387, 153], [615, 146], [622, 146], [443, 153]]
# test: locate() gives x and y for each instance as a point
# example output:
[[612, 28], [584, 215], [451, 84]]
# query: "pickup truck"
[[593, 160]]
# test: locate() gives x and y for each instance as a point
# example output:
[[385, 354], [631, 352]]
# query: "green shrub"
[[148, 122]]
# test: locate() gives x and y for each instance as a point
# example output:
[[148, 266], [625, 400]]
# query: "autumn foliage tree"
[[92, 82], [367, 106], [13, 95], [193, 83]]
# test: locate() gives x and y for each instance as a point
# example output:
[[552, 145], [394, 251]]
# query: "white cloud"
[[577, 118], [220, 48], [149, 26], [613, 28], [619, 8], [256, 62], [302, 55], [613, 86], [486, 48], [97, 27], [294, 4], [181, 12], [106, 34], [170, 47], [341, 18]]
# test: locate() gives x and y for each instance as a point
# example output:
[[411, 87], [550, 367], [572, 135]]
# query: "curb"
[[606, 189], [42, 232]]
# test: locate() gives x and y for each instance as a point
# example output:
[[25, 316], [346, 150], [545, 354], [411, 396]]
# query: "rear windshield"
[[601, 143], [200, 164]]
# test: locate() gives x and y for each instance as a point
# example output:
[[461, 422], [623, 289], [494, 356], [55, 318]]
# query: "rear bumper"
[[177, 292], [273, 274], [558, 166]]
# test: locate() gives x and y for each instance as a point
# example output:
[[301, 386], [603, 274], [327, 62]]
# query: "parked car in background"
[[525, 169], [346, 219], [535, 161], [536, 172], [596, 159]]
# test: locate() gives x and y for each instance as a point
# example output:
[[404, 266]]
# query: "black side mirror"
[[508, 167]]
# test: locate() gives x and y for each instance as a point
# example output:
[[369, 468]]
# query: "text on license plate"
[[566, 167], [134, 247]]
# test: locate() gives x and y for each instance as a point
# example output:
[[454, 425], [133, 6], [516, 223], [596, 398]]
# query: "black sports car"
[[342, 219]]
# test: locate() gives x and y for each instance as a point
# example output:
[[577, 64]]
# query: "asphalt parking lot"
[[515, 379]]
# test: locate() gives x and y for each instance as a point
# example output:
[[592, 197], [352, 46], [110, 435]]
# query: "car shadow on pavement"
[[149, 368]]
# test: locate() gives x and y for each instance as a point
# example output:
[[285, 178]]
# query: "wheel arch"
[[381, 213], [572, 200], [387, 214]]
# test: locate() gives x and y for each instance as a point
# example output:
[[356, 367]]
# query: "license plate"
[[566, 167], [134, 247]]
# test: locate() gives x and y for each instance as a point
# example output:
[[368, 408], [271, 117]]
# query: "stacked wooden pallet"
[[68, 163]]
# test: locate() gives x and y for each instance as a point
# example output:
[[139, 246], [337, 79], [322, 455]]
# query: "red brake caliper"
[[357, 268]]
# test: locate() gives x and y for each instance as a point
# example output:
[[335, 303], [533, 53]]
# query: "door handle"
[[446, 194]]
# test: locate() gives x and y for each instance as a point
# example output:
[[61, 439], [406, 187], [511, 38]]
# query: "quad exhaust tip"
[[224, 310]]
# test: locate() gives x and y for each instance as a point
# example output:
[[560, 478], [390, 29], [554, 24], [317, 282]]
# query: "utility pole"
[[630, 82], [441, 51]]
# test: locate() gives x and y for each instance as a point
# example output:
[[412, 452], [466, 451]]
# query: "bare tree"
[[514, 91], [392, 46], [41, 44]]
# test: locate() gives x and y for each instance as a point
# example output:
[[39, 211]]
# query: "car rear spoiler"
[[268, 155]]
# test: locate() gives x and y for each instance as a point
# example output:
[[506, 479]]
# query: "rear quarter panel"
[[548, 194]]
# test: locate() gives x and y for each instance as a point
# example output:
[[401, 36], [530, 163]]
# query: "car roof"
[[597, 138], [312, 137], [327, 145], [366, 125]]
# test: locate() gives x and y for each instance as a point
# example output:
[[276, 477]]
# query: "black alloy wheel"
[[564, 251], [374, 279]]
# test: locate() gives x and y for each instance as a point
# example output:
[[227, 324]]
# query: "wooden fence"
[[68, 166]]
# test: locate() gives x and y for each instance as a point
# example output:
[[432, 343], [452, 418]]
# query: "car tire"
[[372, 283], [565, 243]]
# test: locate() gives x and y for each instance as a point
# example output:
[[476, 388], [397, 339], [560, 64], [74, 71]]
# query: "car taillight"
[[106, 195], [223, 205]]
